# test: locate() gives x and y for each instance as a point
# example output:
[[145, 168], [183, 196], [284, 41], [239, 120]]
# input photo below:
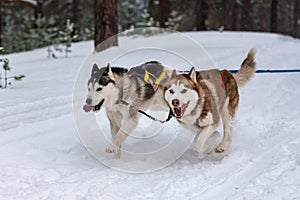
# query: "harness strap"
[[223, 79], [170, 115], [158, 79], [146, 76]]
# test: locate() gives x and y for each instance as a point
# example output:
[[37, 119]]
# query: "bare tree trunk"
[[290, 30], [201, 14], [263, 18], [106, 24], [38, 11], [245, 18], [164, 12], [274, 6], [153, 10], [297, 19], [75, 11], [228, 13], [236, 22]]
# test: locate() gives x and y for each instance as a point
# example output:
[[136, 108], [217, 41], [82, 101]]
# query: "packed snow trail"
[[31, 112], [41, 156]]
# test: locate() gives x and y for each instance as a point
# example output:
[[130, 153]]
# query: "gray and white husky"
[[199, 99], [122, 93]]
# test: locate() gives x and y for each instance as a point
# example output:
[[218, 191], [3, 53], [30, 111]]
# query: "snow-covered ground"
[[41, 156]]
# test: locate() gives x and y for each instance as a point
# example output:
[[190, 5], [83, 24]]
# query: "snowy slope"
[[41, 156]]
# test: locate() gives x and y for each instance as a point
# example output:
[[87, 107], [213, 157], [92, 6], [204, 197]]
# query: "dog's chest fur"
[[212, 96], [194, 123]]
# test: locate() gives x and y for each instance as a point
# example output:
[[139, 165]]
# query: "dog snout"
[[175, 102], [88, 101]]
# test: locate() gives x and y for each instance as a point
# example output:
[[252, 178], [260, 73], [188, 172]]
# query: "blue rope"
[[272, 71]]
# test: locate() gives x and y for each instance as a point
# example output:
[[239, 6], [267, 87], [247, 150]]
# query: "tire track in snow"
[[31, 112]]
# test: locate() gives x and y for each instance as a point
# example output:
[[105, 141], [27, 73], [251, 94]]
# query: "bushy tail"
[[247, 69]]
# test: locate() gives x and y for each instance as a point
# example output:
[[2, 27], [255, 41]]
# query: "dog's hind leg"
[[226, 119]]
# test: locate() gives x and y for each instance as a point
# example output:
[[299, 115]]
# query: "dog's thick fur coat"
[[199, 99], [122, 93]]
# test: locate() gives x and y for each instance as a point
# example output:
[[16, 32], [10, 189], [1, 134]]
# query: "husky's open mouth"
[[179, 110], [88, 108]]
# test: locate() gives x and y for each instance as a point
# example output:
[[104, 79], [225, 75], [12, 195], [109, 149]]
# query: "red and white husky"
[[199, 99]]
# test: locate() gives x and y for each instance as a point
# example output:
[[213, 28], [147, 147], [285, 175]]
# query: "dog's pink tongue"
[[87, 108], [177, 112]]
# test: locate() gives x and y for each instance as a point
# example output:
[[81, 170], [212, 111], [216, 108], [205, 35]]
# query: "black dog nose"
[[88, 101], [175, 102]]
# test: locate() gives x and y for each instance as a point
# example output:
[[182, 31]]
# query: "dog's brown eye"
[[89, 89], [184, 91], [171, 91], [99, 89]]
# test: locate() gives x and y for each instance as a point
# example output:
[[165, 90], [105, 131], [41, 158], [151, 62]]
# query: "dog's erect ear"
[[106, 70], [174, 73], [95, 69], [109, 72], [192, 74]]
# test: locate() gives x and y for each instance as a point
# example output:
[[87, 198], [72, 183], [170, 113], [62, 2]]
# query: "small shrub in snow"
[[7, 68], [66, 37]]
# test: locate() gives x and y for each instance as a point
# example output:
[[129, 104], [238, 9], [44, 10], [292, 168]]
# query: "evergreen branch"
[[17, 78]]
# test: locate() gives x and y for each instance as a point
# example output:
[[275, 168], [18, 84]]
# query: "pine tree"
[[147, 20], [144, 26], [66, 36], [274, 6], [173, 22], [130, 13]]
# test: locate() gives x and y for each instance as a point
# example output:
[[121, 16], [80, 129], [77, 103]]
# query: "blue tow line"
[[272, 71]]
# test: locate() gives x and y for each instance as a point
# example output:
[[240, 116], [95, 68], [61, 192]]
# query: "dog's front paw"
[[221, 148], [112, 149]]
